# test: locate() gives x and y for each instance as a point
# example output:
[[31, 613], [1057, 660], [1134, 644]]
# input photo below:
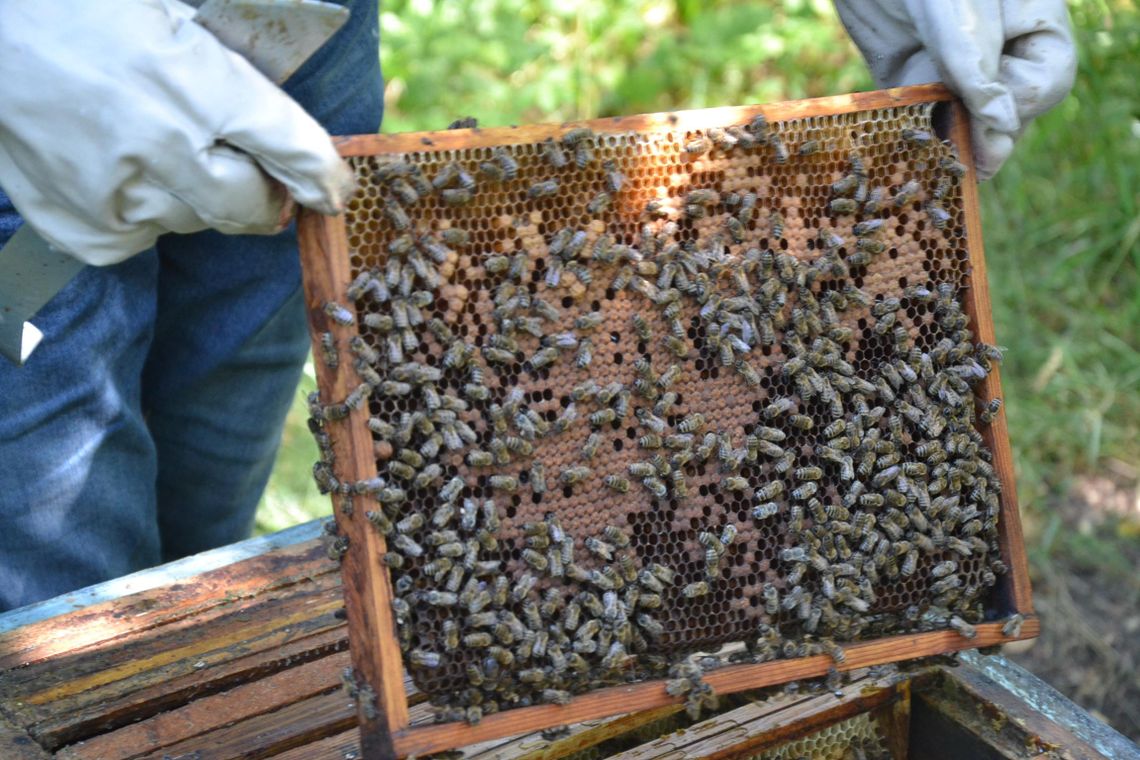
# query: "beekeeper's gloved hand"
[[121, 120], [1008, 60]]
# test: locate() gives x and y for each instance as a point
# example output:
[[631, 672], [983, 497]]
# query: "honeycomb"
[[856, 738], [639, 394]]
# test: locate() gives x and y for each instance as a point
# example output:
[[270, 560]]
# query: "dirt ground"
[[1085, 568]]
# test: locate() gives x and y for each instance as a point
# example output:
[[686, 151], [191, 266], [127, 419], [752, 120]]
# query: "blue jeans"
[[145, 426]]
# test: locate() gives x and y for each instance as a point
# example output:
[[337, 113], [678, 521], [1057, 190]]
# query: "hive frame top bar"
[[325, 249], [452, 139]]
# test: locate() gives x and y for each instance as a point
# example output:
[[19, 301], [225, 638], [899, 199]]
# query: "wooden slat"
[[456, 139], [367, 588], [226, 588], [893, 721], [294, 725], [99, 716], [337, 747], [754, 727], [984, 694], [996, 435], [650, 694], [16, 744], [200, 718]]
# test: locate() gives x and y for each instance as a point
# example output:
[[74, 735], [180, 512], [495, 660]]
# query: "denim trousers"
[[145, 425]]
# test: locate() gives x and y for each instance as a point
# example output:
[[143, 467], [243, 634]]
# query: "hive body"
[[686, 387]]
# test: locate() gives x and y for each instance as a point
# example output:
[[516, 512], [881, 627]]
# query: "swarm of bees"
[[803, 448]]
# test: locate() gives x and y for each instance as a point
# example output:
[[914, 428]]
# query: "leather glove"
[[121, 120], [1008, 60]]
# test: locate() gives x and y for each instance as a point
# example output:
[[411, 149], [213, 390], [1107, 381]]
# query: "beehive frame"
[[376, 653]]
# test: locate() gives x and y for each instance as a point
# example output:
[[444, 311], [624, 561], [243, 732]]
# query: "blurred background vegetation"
[[1061, 226]]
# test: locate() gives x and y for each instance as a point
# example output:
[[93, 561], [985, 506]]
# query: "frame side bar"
[[367, 588], [454, 139], [996, 435]]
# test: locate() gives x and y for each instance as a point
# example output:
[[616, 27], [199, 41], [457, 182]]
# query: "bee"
[[600, 202], [939, 217], [697, 146], [736, 483], [765, 510], [650, 625], [585, 354], [584, 391], [808, 147], [952, 167], [507, 483], [655, 486], [842, 206], [456, 196], [338, 313], [918, 137], [509, 166], [962, 627], [1012, 627], [696, 589], [583, 155], [989, 413], [602, 417], [554, 154], [801, 422], [590, 448], [328, 350], [616, 483], [779, 150], [906, 194], [538, 477], [573, 475]]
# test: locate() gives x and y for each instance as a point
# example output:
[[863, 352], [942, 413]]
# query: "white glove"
[[121, 120], [1008, 60]]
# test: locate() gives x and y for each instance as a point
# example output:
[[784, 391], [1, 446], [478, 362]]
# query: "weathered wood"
[[996, 435], [991, 697], [294, 725], [367, 588], [750, 729], [454, 139], [650, 694], [893, 721], [16, 744], [96, 717], [223, 590], [202, 717]]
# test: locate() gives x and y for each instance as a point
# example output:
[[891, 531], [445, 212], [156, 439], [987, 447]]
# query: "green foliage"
[[1062, 230], [526, 61], [1061, 221]]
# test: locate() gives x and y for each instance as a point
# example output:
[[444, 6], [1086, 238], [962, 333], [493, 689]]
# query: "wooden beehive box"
[[748, 356]]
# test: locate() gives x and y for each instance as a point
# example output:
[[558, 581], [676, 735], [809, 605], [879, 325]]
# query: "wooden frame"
[[385, 725]]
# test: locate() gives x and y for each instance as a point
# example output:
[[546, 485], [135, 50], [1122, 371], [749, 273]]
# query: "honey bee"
[[917, 137], [989, 413], [584, 355], [574, 475], [695, 589], [655, 486], [962, 627], [939, 217], [765, 510], [808, 147], [600, 202], [779, 150], [602, 417], [697, 146], [736, 483], [1012, 626], [906, 194], [616, 483], [456, 196]]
